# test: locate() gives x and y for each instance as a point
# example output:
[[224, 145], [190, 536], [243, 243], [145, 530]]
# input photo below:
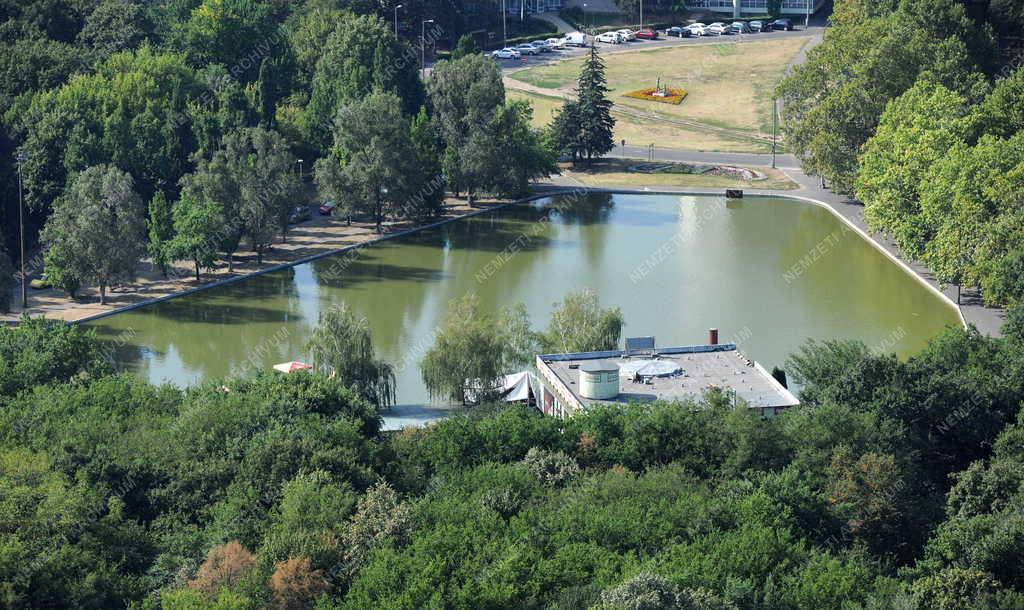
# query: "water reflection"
[[676, 266]]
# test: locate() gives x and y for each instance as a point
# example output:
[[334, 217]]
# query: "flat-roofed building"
[[570, 383]]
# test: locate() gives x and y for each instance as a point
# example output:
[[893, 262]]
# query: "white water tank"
[[599, 379]]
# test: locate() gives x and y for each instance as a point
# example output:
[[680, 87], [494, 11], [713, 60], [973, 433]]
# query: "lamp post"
[[807, 15], [641, 14], [397, 6], [504, 25], [21, 157], [423, 47], [300, 169], [775, 112]]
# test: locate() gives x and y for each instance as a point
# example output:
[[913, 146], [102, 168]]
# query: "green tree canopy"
[[579, 324]]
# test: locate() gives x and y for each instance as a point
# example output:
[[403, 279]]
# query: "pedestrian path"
[[553, 18]]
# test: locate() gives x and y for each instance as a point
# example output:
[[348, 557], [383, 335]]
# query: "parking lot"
[[527, 61]]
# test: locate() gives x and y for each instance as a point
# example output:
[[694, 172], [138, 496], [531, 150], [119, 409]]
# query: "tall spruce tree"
[[594, 109]]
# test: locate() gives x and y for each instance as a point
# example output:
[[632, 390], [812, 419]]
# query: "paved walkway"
[[553, 18], [987, 320]]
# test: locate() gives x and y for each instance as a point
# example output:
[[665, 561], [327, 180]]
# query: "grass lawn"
[[614, 172], [729, 84], [641, 132]]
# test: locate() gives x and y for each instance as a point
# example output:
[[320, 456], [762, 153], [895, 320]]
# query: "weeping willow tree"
[[342, 346]]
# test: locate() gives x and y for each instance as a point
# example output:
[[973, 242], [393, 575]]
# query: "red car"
[[327, 208], [647, 34]]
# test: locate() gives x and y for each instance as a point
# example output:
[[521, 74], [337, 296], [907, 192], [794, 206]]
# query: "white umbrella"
[[291, 367]]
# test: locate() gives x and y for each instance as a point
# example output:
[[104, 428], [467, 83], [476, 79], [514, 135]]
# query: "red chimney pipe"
[[712, 336]]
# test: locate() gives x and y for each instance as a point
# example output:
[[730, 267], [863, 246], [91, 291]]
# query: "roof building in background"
[[569, 383]]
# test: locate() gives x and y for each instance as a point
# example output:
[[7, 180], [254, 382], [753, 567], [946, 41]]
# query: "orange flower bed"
[[673, 96]]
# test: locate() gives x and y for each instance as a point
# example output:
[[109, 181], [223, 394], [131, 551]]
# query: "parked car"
[[627, 34], [576, 39], [647, 34], [556, 43], [759, 26], [506, 53], [327, 208], [716, 29], [541, 45], [610, 37], [527, 49], [740, 27], [678, 31], [697, 29], [782, 24], [299, 213], [40, 283]]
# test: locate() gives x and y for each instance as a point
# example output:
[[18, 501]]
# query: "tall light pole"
[[21, 157], [641, 14], [807, 15], [423, 47], [300, 169], [775, 112], [397, 6], [504, 25]]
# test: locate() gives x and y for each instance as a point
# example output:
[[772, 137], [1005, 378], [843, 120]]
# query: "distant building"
[[569, 383], [739, 8]]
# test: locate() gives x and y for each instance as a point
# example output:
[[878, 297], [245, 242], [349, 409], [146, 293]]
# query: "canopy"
[[291, 367], [516, 387]]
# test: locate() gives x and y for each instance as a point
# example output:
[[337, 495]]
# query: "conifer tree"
[[594, 109]]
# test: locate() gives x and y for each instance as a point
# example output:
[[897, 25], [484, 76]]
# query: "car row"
[[573, 39], [736, 27], [627, 35]]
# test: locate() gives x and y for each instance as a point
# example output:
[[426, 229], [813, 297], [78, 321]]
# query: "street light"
[[775, 112], [807, 15], [641, 14], [397, 6], [423, 47], [300, 169], [21, 157], [504, 25]]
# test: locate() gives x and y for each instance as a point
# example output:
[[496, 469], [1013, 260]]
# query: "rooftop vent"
[[639, 346]]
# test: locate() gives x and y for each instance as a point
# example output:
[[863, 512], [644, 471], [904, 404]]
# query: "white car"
[[506, 53], [628, 35], [610, 37], [541, 45], [576, 39], [697, 29], [556, 43], [716, 29], [527, 49]]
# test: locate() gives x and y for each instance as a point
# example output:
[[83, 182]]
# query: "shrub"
[[296, 585], [225, 566], [551, 467]]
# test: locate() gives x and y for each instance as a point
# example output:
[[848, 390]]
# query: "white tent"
[[516, 387]]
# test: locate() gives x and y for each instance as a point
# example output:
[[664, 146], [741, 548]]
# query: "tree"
[[361, 56], [381, 520], [593, 111], [161, 231], [373, 169], [426, 145], [579, 324], [565, 130], [916, 130], [342, 345], [266, 93], [111, 27], [296, 585], [473, 350], [521, 153], [226, 32], [101, 221], [197, 232], [465, 46], [225, 565], [466, 95], [6, 277]]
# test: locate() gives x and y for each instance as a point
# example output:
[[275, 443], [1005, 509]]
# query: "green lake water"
[[767, 272]]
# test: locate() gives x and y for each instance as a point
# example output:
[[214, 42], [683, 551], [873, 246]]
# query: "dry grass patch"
[[729, 84]]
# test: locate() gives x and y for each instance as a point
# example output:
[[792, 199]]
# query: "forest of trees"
[[915, 107], [185, 120], [896, 484]]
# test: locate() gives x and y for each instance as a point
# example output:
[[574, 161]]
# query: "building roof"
[[703, 367], [599, 366]]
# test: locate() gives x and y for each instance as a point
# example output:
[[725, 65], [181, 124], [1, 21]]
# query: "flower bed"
[[672, 95]]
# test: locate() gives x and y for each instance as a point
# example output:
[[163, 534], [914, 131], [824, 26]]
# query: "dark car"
[[299, 213], [782, 24], [647, 34], [678, 31]]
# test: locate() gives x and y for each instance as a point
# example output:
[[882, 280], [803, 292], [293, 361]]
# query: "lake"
[[769, 273]]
